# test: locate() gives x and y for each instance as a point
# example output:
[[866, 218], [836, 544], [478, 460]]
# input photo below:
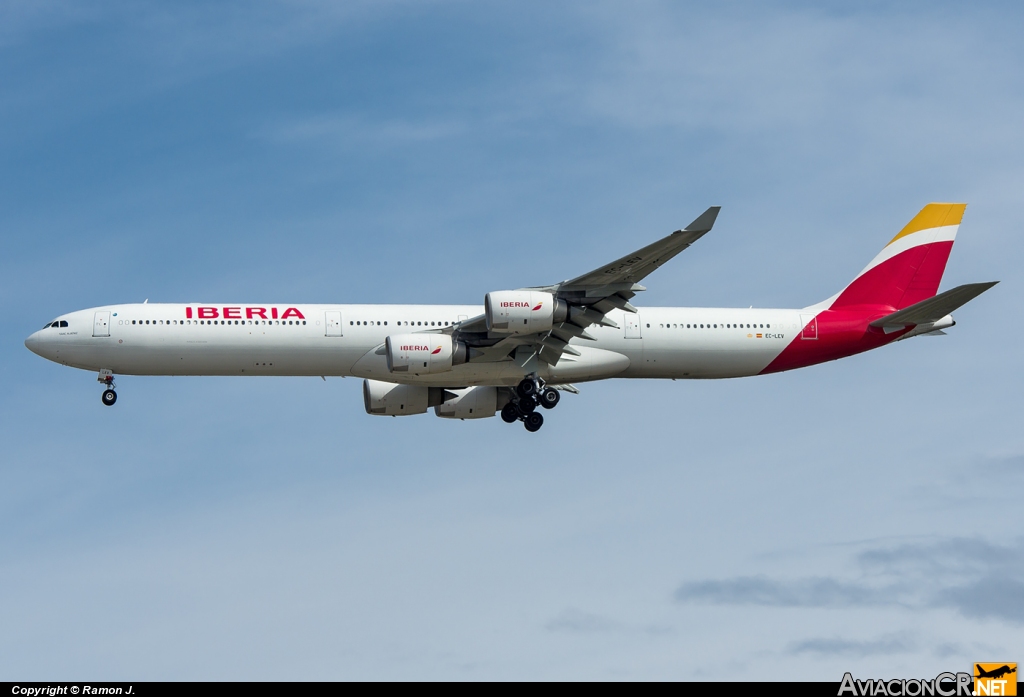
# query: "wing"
[[590, 298], [634, 267]]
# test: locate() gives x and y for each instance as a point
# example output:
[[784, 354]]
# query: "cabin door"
[[810, 326], [101, 323], [633, 326], [333, 323]]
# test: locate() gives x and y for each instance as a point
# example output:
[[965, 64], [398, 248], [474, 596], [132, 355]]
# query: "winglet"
[[704, 222]]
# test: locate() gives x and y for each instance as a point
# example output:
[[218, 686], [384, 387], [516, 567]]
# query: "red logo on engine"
[[435, 351], [537, 308]]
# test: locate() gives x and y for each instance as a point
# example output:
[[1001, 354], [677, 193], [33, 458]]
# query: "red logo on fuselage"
[[236, 313]]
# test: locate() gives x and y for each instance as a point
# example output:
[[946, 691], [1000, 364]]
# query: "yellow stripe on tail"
[[933, 215]]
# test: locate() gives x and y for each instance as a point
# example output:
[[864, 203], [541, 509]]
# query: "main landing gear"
[[528, 395], [106, 378]]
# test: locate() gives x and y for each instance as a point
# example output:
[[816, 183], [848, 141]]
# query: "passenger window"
[[350, 323]]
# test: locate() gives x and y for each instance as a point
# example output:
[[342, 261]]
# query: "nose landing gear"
[[106, 378], [530, 393]]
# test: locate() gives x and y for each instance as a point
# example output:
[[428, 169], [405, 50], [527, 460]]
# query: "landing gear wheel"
[[509, 413], [533, 422], [526, 389], [109, 397], [526, 406], [549, 398]]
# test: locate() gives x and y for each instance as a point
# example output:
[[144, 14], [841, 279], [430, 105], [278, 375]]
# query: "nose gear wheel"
[[106, 378]]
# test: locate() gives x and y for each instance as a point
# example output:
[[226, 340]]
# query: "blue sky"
[[851, 516]]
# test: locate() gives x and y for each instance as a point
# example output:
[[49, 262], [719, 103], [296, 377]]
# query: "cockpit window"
[[49, 324], [63, 323]]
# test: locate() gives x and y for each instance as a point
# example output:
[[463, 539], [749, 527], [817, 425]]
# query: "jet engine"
[[421, 354], [523, 311], [472, 403], [389, 399]]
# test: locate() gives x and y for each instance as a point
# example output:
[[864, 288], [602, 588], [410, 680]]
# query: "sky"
[[853, 516]]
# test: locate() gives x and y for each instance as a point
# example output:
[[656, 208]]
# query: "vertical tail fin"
[[910, 267]]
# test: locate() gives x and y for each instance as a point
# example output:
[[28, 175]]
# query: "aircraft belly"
[[697, 360]]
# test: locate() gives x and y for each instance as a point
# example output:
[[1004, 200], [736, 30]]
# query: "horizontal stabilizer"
[[935, 308]]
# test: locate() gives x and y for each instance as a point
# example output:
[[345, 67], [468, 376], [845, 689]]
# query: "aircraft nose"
[[34, 344]]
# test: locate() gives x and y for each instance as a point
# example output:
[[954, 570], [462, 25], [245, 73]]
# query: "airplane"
[[524, 347], [996, 673]]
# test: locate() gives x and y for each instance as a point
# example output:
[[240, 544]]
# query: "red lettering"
[[232, 313], [188, 313], [273, 312], [292, 312], [251, 312], [208, 313]]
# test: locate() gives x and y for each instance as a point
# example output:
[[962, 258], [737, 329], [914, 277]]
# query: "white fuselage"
[[346, 340]]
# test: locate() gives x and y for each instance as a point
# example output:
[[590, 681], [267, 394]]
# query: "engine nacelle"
[[523, 311], [389, 399], [471, 403], [421, 354]]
